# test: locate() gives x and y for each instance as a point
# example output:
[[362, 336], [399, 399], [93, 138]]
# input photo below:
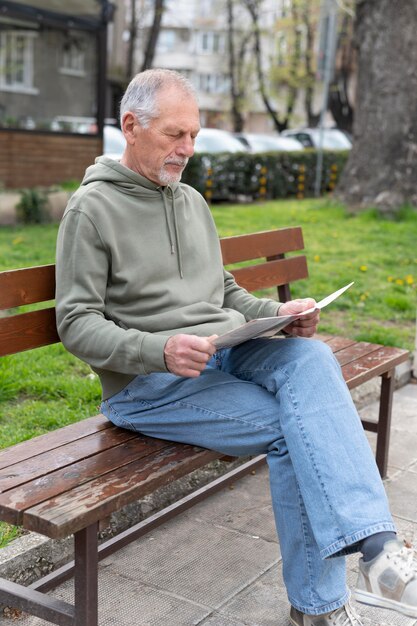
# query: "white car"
[[215, 141], [114, 142], [333, 138], [259, 142]]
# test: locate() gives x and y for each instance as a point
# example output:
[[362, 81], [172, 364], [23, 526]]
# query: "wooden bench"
[[66, 481]]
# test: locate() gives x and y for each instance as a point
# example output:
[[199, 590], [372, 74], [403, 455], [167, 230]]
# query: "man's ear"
[[128, 124]]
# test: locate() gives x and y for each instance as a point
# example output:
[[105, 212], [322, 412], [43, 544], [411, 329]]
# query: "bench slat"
[[26, 286], [67, 454], [374, 364], [99, 498], [15, 501], [272, 273], [263, 244], [356, 351], [54, 439], [27, 331], [337, 343]]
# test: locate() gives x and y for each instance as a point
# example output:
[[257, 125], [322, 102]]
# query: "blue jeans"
[[285, 398]]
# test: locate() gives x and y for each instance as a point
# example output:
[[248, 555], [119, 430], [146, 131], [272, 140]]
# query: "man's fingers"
[[188, 355]]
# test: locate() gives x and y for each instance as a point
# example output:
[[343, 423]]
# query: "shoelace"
[[346, 616], [405, 559]]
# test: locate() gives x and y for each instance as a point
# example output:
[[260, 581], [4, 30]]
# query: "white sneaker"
[[390, 579], [345, 616]]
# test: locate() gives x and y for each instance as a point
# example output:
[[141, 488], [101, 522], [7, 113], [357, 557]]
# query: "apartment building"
[[193, 40]]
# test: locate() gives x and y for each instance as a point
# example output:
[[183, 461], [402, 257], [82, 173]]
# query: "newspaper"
[[268, 326]]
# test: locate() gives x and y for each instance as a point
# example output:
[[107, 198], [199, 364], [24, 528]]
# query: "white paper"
[[268, 326]]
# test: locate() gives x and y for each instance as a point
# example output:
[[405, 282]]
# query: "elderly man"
[[141, 296]]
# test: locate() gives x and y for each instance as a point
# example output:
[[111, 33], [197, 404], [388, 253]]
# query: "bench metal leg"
[[384, 422], [86, 576]]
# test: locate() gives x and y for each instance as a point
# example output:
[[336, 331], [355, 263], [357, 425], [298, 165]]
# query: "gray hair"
[[140, 95]]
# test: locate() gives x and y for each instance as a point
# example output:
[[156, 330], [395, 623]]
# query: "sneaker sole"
[[374, 600]]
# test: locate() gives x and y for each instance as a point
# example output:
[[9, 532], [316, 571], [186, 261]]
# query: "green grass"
[[8, 533], [49, 388], [379, 255]]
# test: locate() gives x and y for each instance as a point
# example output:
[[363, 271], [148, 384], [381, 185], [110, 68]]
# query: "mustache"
[[180, 162]]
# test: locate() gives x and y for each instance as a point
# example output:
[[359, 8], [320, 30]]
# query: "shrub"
[[267, 175], [31, 207]]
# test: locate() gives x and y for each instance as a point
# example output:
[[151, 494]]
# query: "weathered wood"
[[46, 487], [47, 462], [98, 498], [54, 439], [372, 365], [355, 351]]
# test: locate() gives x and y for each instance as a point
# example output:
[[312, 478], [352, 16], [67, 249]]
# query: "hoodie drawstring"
[[170, 234]]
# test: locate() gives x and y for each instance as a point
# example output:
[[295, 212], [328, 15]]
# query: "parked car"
[[214, 140], [333, 138], [258, 142], [219, 163]]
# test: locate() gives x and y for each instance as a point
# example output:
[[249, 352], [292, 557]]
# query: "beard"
[[166, 177]]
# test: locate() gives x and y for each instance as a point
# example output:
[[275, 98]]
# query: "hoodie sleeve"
[[241, 300], [82, 269]]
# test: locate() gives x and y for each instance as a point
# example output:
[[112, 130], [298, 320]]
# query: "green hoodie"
[[137, 263]]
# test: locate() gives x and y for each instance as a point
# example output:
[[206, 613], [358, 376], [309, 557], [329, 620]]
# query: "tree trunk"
[[382, 167], [339, 98], [312, 118], [253, 7], [153, 35], [235, 93], [132, 41]]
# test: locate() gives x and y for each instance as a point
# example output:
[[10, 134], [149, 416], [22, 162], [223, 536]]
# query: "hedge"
[[262, 176]]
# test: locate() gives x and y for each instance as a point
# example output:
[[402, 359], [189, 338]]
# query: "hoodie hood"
[[111, 171], [106, 170]]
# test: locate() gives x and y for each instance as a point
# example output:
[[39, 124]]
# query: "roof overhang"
[[90, 15]]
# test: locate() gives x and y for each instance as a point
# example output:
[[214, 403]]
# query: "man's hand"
[[306, 326], [188, 355]]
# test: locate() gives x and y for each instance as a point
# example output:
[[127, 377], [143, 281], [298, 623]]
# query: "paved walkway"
[[218, 564]]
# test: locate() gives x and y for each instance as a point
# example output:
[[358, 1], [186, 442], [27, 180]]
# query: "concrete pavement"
[[219, 564]]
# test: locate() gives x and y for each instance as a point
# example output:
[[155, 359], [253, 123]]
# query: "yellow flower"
[[363, 268], [399, 281], [363, 297], [390, 279], [316, 257], [409, 279], [17, 240]]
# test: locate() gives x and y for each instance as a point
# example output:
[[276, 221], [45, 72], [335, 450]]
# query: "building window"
[[16, 61], [211, 42], [213, 83], [167, 40], [73, 58]]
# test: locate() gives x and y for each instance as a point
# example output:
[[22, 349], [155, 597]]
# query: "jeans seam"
[[121, 419], [181, 403], [305, 534]]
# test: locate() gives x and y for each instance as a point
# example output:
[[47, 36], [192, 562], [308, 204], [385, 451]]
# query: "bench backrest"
[[24, 331]]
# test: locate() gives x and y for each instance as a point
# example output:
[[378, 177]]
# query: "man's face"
[[161, 151]]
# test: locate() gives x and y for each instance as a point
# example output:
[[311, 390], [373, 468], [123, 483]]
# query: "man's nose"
[[186, 146]]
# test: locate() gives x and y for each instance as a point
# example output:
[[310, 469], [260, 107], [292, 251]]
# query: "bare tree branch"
[[153, 35]]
